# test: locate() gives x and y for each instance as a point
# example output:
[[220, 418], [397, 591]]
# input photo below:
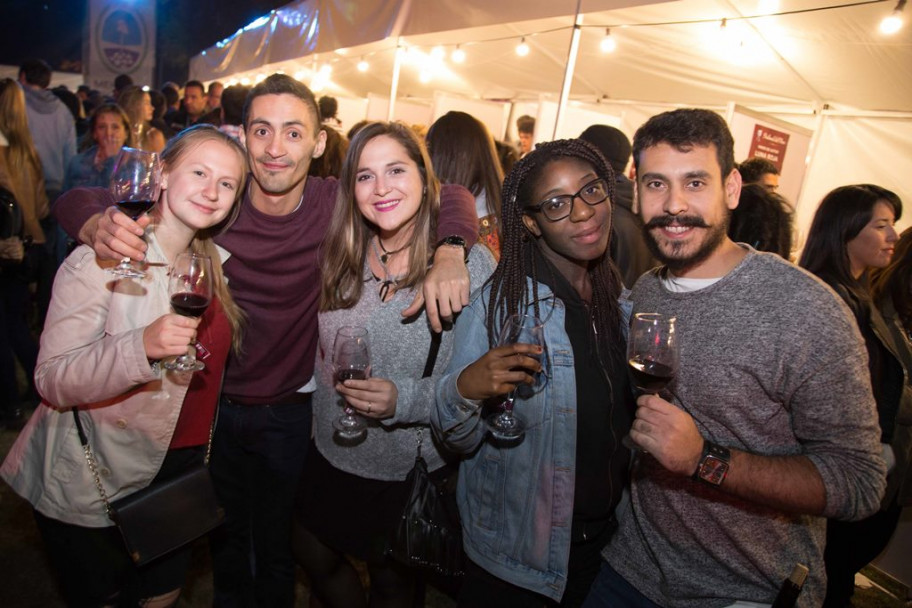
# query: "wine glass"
[[652, 354], [135, 185], [506, 426], [351, 361], [190, 288]]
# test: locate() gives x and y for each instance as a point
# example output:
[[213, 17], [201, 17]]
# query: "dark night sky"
[[53, 30]]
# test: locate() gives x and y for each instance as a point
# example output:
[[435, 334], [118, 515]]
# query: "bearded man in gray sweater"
[[771, 426]]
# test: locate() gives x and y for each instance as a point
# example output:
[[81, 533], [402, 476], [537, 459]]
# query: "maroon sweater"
[[274, 275]]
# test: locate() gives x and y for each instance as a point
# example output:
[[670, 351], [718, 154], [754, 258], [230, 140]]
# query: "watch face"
[[713, 470]]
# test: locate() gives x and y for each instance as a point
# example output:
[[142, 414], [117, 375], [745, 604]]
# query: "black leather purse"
[[429, 534], [163, 516]]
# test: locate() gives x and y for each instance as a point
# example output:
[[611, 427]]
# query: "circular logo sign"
[[121, 39]]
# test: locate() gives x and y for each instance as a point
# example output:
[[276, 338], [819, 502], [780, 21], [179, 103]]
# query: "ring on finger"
[[369, 406]]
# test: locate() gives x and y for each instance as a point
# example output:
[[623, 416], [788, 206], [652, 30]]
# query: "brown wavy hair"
[[349, 235]]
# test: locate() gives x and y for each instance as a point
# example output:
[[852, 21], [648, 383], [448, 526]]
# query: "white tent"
[[822, 65]]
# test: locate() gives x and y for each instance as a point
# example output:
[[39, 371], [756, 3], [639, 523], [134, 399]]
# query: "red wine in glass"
[[652, 354], [650, 376], [190, 287], [351, 361], [135, 185], [135, 209], [189, 304]]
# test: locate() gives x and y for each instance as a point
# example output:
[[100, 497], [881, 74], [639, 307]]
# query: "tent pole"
[[394, 85], [568, 71]]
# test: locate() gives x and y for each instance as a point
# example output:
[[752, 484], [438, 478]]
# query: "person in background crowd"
[[214, 95], [171, 91], [329, 113], [264, 422], [99, 361], [763, 220], [535, 515], [525, 126], [365, 241], [755, 442], [121, 82], [109, 131], [137, 104], [193, 110], [507, 156], [54, 135], [71, 101], [21, 178], [333, 157], [851, 234], [232, 110], [760, 171], [891, 287], [158, 113], [462, 151], [628, 246]]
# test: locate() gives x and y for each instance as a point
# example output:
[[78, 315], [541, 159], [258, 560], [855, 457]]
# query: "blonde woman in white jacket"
[[99, 354]]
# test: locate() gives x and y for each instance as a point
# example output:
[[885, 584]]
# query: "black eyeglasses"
[[557, 208]]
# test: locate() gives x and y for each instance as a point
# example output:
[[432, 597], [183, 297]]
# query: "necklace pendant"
[[383, 258]]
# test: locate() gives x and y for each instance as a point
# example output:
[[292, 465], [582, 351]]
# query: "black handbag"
[[429, 534], [163, 516]]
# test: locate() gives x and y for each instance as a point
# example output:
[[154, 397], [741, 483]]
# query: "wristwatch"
[[713, 465], [454, 240]]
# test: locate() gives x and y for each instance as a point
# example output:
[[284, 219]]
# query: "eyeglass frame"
[[538, 208]]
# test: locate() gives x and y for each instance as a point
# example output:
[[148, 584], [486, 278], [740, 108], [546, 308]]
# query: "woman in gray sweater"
[[375, 256]]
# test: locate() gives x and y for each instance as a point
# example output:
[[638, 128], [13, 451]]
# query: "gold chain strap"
[[93, 467]]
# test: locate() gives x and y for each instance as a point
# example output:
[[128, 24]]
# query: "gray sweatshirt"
[[772, 363]]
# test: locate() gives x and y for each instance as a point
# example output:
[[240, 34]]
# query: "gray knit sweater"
[[771, 363], [399, 350]]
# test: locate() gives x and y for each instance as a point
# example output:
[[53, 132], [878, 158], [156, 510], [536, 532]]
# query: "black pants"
[[850, 546]]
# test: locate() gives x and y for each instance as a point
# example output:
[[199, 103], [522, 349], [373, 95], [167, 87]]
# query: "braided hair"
[[509, 293]]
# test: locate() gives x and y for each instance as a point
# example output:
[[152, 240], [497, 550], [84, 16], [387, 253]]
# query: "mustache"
[[689, 221]]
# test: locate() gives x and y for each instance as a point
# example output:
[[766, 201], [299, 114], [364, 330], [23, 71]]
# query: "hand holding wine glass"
[[190, 288], [351, 361], [135, 185], [652, 353], [506, 426]]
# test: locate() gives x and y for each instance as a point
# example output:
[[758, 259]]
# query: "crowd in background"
[[361, 226]]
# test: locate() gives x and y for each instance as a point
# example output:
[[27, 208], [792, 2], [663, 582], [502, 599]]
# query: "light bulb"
[[522, 49], [608, 44], [891, 23], [458, 55], [363, 66]]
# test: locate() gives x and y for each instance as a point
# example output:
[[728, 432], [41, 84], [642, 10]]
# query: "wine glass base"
[[506, 428], [349, 427], [127, 273], [182, 364]]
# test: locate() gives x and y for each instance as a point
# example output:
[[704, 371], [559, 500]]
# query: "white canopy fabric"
[[821, 64], [673, 52]]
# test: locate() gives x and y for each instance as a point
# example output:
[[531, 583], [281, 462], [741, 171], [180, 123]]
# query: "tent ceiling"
[[664, 53]]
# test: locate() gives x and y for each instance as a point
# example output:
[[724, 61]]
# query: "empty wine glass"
[[351, 361], [135, 185], [652, 353], [506, 426], [190, 288]]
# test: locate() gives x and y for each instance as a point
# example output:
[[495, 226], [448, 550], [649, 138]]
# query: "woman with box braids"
[[515, 499]]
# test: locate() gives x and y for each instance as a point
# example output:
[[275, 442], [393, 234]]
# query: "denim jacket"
[[516, 502]]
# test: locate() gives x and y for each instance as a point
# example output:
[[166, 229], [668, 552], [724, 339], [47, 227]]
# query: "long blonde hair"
[[177, 149], [131, 100], [349, 236], [23, 158]]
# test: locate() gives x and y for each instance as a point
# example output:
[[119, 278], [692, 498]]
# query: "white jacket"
[[92, 357]]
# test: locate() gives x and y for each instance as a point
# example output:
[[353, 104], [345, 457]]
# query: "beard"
[[674, 255]]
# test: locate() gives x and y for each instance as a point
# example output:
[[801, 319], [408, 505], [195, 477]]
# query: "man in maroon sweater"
[[264, 415]]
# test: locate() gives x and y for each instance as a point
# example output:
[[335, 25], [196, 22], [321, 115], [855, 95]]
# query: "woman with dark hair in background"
[[109, 131], [763, 220], [22, 179], [139, 109], [462, 151], [329, 164], [852, 233]]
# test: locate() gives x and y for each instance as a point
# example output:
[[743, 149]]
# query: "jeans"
[[257, 457], [611, 590]]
